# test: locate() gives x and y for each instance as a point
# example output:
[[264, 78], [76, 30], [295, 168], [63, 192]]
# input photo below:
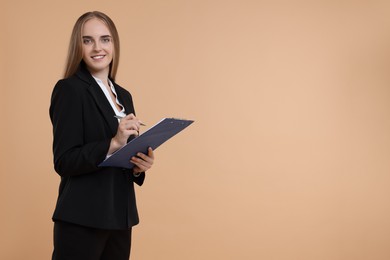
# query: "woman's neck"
[[103, 76]]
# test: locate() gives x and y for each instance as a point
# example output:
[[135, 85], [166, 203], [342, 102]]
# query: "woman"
[[96, 207]]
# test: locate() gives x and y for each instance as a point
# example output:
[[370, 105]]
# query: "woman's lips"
[[98, 57]]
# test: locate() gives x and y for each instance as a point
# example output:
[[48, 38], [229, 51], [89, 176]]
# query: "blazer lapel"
[[124, 99], [100, 100]]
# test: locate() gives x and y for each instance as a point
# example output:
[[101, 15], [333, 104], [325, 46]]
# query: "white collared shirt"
[[107, 94]]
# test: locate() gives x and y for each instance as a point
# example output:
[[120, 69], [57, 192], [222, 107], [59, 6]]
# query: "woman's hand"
[[129, 125], [142, 161]]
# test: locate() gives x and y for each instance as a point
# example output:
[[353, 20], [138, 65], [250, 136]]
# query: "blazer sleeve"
[[72, 155]]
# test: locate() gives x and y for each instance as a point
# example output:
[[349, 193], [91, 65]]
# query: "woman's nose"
[[97, 46]]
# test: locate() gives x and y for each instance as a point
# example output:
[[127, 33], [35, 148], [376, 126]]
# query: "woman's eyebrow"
[[90, 37]]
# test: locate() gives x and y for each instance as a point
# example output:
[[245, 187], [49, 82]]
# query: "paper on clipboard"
[[153, 137]]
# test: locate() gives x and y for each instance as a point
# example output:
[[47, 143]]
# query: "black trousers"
[[74, 242]]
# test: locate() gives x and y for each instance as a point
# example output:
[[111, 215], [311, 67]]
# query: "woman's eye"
[[87, 41], [106, 40]]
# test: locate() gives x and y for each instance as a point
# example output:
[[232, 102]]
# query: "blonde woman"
[[96, 207]]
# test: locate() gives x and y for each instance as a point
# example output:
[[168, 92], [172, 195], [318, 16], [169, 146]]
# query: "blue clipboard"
[[153, 137]]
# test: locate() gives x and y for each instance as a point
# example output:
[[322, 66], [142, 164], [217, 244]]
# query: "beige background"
[[288, 158]]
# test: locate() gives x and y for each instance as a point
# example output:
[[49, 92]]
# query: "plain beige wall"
[[288, 158]]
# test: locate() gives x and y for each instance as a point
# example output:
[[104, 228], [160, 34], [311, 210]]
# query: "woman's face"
[[97, 47]]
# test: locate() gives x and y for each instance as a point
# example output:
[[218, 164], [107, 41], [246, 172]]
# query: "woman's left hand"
[[142, 161]]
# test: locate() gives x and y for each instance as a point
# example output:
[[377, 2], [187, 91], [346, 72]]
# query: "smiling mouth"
[[98, 57]]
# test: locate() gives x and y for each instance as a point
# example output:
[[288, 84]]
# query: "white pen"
[[120, 117]]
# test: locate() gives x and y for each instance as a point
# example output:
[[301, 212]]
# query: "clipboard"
[[165, 129]]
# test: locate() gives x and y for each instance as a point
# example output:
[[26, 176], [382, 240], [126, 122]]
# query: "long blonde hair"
[[75, 51]]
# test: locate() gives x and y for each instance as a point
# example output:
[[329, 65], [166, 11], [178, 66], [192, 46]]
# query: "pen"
[[120, 117]]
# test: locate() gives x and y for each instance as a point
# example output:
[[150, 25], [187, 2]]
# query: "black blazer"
[[83, 125]]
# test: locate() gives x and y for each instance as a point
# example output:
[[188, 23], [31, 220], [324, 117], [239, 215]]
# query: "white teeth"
[[98, 57]]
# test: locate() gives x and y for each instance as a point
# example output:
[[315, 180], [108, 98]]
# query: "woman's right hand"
[[129, 125]]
